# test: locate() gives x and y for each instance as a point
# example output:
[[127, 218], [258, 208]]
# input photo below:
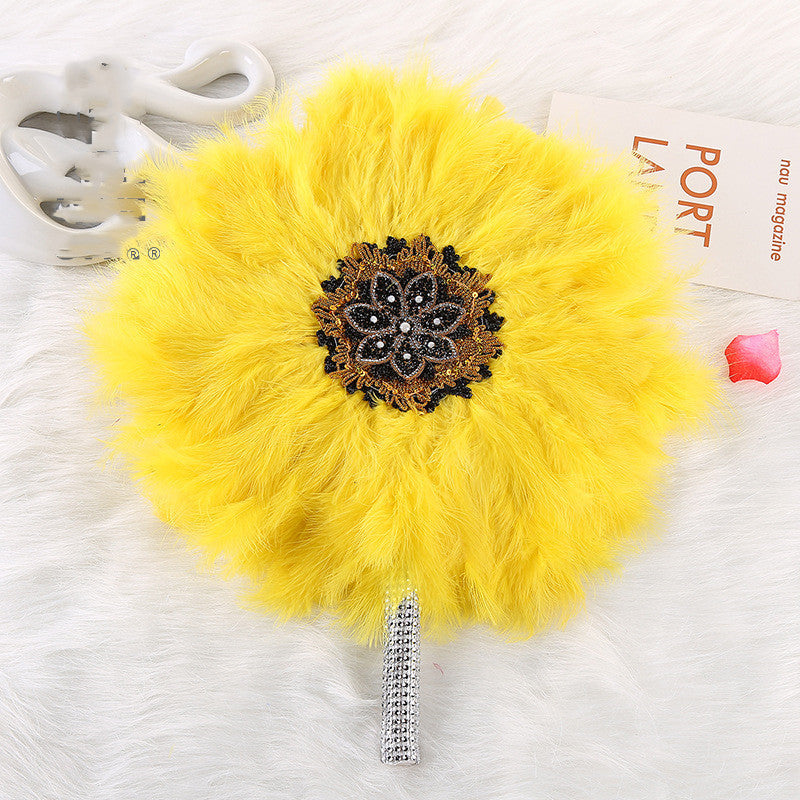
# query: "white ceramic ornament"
[[64, 200]]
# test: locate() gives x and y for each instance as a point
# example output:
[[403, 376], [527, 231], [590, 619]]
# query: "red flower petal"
[[754, 358]]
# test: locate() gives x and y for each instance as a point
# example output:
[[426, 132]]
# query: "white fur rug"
[[126, 674]]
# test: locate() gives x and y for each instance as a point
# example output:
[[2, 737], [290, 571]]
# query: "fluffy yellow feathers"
[[495, 507]]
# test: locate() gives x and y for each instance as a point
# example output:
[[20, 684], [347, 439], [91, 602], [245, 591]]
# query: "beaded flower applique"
[[407, 324]]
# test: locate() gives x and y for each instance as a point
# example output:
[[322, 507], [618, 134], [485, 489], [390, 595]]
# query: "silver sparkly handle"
[[400, 722]]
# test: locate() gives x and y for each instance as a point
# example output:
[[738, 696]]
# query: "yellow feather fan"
[[406, 342]]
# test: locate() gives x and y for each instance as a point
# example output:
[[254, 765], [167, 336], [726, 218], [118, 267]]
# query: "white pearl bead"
[[405, 327], [418, 298], [379, 345], [406, 356], [430, 345], [373, 318], [437, 321], [391, 298]]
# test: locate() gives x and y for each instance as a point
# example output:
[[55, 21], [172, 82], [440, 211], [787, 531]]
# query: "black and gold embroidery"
[[407, 324]]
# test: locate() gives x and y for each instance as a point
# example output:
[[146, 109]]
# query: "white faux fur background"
[[124, 673]]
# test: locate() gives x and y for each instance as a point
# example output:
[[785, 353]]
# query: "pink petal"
[[754, 358]]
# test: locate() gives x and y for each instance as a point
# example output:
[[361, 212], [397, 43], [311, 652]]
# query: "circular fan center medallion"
[[407, 324]]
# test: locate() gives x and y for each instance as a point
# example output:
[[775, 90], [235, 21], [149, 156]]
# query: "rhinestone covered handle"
[[400, 709]]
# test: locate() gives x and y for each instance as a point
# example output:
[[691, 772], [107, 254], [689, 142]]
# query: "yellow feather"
[[496, 508]]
